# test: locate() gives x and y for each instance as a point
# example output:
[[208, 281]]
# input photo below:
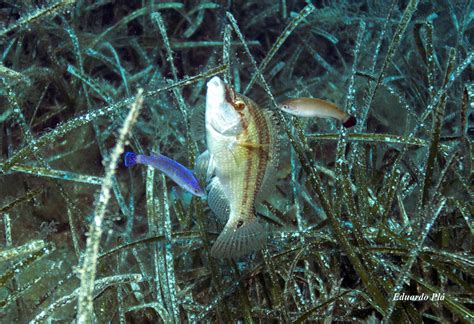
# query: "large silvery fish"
[[243, 155]]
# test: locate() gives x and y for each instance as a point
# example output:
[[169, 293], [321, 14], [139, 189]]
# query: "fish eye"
[[239, 105], [285, 107]]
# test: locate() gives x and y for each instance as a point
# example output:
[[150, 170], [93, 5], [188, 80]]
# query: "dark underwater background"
[[358, 218]]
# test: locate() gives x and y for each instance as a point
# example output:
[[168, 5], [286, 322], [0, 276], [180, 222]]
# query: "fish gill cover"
[[363, 220]]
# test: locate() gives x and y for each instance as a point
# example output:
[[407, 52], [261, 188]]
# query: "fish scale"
[[255, 158]]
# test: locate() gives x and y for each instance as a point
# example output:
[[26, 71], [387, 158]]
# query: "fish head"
[[191, 184], [286, 106], [223, 108], [196, 189]]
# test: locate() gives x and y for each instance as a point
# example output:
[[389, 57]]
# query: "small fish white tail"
[[235, 241]]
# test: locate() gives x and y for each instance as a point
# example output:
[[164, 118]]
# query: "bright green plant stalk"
[[377, 138], [153, 227], [99, 285], [430, 59], [394, 44], [176, 91], [436, 133], [37, 15], [12, 75], [56, 174], [10, 273], [88, 269], [226, 52], [4, 209], [301, 223], [350, 106], [22, 250], [243, 293], [8, 229], [222, 294], [19, 292], [169, 275], [157, 307], [305, 315], [275, 289]]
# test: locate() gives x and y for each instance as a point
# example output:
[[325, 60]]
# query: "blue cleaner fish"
[[243, 154], [313, 107], [182, 176]]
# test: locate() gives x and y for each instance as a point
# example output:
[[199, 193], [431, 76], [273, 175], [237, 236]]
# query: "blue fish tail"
[[130, 159]]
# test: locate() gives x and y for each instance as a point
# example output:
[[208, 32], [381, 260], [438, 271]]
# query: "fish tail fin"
[[351, 121], [130, 159], [238, 239]]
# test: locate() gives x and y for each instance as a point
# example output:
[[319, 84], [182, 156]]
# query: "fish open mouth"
[[216, 91], [221, 113]]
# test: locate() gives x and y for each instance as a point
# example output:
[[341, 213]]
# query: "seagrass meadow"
[[361, 220]]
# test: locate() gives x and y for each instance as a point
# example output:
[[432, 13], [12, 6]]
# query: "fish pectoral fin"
[[217, 200], [250, 145], [204, 165]]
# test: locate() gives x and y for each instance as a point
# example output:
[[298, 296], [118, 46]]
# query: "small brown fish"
[[313, 107], [243, 154]]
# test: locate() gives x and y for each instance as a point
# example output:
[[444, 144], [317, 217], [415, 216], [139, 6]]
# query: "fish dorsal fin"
[[269, 179], [217, 200], [198, 122], [238, 239], [204, 166]]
